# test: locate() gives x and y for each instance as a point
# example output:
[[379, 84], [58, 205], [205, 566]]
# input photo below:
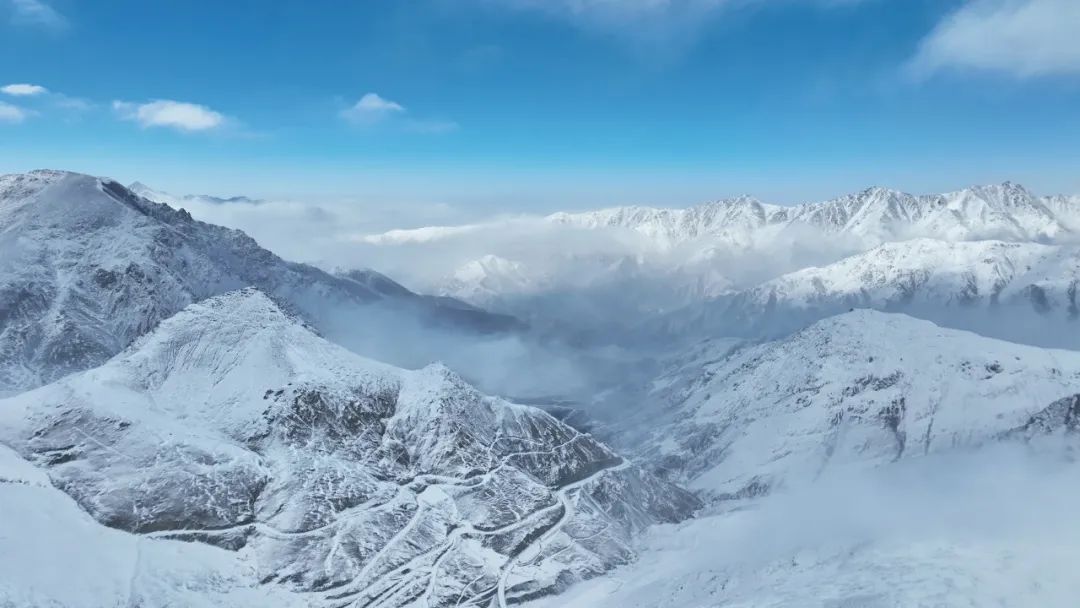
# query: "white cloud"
[[372, 109], [171, 114], [12, 114], [38, 13], [1018, 37], [22, 89]]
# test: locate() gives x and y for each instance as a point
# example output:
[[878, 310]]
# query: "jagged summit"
[[1004, 211]]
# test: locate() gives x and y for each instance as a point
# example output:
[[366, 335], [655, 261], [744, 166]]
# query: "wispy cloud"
[[37, 13], [182, 116], [654, 26], [1017, 37], [657, 24], [12, 114], [74, 104], [373, 109], [22, 89]]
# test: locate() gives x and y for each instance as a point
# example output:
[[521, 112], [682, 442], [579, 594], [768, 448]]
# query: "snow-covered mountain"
[[86, 266], [859, 389], [185, 421], [870, 460], [670, 258], [348, 481], [491, 277], [1002, 289], [1007, 212]]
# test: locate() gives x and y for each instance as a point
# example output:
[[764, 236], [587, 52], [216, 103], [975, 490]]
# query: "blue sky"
[[544, 104]]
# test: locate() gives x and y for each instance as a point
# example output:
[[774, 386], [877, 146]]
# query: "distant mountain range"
[[741, 266], [1006, 212]]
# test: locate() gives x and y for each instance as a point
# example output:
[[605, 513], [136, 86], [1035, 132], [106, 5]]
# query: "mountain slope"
[[66, 558], [346, 480], [854, 390], [57, 555], [87, 266], [980, 528], [870, 460]]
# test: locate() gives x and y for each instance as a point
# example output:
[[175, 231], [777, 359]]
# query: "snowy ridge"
[[995, 286], [1006, 211], [339, 478], [861, 388], [88, 266]]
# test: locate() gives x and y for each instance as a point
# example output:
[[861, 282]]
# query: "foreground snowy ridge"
[[348, 481]]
